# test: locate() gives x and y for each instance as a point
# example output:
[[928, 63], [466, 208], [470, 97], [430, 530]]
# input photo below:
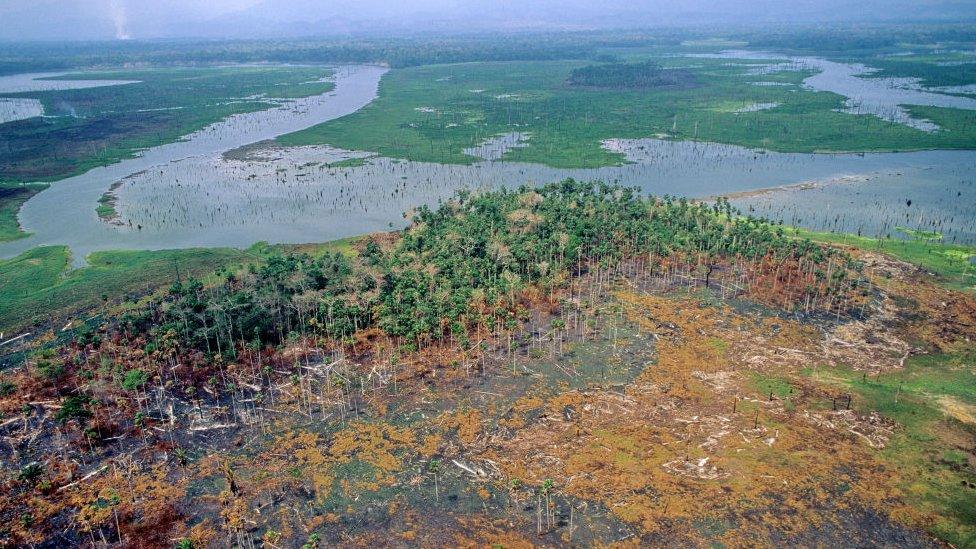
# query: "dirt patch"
[[965, 413]]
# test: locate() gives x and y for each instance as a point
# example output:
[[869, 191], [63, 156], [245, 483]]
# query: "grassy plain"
[[11, 198], [432, 113], [951, 263]]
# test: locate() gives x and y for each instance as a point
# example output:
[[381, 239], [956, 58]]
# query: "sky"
[[22, 20]]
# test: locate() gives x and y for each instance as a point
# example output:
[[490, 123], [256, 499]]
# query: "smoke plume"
[[116, 10]]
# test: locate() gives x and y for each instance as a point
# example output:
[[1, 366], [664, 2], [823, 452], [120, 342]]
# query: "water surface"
[[295, 195], [64, 213], [881, 97]]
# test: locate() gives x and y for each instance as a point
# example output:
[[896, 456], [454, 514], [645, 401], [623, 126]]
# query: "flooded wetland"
[[192, 194]]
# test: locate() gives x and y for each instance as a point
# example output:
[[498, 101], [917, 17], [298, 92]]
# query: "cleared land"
[[634, 398], [592, 370]]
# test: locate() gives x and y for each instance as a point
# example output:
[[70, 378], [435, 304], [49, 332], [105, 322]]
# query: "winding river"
[[64, 213], [190, 194]]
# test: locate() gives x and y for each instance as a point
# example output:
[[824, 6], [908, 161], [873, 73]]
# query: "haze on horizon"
[[29, 20]]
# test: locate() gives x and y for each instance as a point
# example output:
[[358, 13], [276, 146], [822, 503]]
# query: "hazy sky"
[[121, 19]]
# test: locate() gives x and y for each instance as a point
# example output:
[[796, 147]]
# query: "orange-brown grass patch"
[[467, 423], [142, 502], [668, 450]]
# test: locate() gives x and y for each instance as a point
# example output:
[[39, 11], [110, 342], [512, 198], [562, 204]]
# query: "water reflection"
[[297, 195]]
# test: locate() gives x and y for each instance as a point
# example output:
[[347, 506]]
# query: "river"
[[188, 194]]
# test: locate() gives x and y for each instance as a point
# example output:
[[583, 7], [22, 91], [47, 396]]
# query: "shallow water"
[[881, 97], [920, 197], [64, 213], [293, 195]]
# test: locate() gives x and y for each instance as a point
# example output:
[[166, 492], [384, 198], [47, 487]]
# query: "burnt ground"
[[631, 412]]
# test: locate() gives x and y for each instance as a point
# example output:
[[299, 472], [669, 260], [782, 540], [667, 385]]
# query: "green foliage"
[[49, 370], [482, 250], [134, 379], [30, 473], [39, 284], [286, 293], [73, 408], [313, 541], [106, 207], [464, 265], [645, 75]]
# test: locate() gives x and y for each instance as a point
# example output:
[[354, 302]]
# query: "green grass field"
[[97, 126], [11, 198], [930, 399], [432, 113], [39, 285], [951, 263]]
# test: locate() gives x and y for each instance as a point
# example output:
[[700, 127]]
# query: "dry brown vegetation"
[[628, 406]]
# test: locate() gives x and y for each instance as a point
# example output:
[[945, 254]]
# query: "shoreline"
[[802, 186]]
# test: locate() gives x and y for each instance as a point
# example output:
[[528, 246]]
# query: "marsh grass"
[[11, 198], [433, 113], [951, 263], [92, 127]]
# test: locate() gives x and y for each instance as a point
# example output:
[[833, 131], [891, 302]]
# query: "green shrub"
[[74, 407], [134, 379]]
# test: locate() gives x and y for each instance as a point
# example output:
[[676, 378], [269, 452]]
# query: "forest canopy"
[[421, 289]]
